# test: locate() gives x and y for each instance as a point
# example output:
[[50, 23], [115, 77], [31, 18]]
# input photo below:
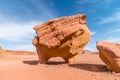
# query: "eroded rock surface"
[[109, 52], [62, 37]]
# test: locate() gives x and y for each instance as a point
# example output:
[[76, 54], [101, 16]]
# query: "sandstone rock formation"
[[88, 52], [62, 37], [2, 51], [109, 52]]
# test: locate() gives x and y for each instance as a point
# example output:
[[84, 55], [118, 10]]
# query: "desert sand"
[[24, 65]]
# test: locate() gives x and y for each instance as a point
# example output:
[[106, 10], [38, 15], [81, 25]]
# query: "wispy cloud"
[[104, 3], [117, 30], [112, 18], [44, 8], [92, 33], [91, 4], [16, 31], [23, 47], [16, 34], [114, 39]]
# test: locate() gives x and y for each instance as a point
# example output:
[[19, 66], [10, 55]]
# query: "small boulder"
[[2, 51], [62, 37], [109, 53]]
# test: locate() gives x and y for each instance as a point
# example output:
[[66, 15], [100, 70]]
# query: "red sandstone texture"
[[109, 52], [64, 37], [53, 32]]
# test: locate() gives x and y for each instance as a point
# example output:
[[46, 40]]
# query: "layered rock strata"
[[62, 37], [109, 53]]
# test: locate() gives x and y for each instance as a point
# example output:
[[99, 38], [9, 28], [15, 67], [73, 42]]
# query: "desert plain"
[[24, 65]]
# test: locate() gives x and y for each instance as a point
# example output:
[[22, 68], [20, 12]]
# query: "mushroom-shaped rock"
[[109, 52], [2, 51], [62, 37]]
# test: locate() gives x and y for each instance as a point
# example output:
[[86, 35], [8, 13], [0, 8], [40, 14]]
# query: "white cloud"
[[114, 40], [11, 30], [104, 3], [92, 33], [117, 30], [43, 8], [23, 47], [112, 18], [16, 35]]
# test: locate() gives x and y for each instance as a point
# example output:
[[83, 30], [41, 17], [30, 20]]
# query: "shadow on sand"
[[31, 62], [90, 67], [35, 62], [55, 63], [87, 67]]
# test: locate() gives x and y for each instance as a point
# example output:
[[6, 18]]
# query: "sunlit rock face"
[[2, 51], [109, 53], [62, 37]]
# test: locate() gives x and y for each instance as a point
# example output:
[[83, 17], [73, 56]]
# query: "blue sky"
[[18, 17]]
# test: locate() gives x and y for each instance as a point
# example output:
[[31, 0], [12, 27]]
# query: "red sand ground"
[[23, 65]]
